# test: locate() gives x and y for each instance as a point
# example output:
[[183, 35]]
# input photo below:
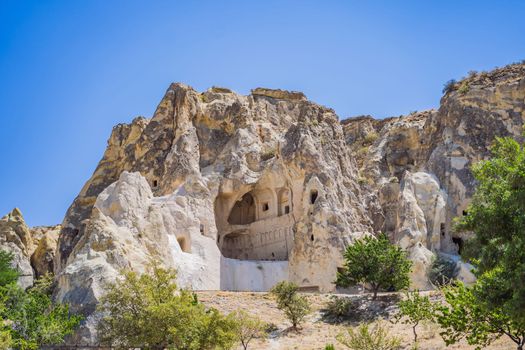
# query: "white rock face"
[[256, 276], [130, 228]]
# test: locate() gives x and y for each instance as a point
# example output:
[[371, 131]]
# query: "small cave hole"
[[465, 213], [287, 209], [442, 229], [273, 255], [312, 238], [155, 183], [184, 246], [201, 228], [313, 196], [265, 207], [459, 242]]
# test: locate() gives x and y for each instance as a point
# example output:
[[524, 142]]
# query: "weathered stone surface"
[[45, 240], [33, 249], [217, 184], [15, 237], [415, 170]]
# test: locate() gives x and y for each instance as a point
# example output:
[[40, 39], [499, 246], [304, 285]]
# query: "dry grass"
[[316, 333]]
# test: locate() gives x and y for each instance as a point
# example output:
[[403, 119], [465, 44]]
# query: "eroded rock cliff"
[[238, 192]]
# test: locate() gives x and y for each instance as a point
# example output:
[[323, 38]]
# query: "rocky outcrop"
[[237, 192], [33, 249], [415, 169], [15, 237]]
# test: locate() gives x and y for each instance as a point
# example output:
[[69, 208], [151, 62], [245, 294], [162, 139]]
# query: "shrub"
[[149, 311], [464, 87], [442, 271], [33, 319], [377, 263], [329, 347], [371, 137], [339, 307], [449, 86], [369, 338], [248, 327], [414, 309], [295, 306]]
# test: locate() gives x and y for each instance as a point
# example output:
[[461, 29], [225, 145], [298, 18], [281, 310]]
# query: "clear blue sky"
[[70, 70]]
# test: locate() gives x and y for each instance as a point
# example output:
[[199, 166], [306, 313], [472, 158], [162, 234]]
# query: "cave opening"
[[243, 212], [184, 244], [313, 196], [459, 243]]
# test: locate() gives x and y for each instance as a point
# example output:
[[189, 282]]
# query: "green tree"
[[295, 306], [414, 309], [377, 263], [496, 216], [29, 318], [149, 311], [34, 320], [248, 327], [8, 275], [468, 316]]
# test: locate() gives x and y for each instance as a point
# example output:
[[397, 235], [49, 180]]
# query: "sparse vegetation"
[[339, 307], [414, 309], [376, 263], [367, 337], [247, 327], [371, 137], [449, 86], [295, 306], [464, 87], [442, 271]]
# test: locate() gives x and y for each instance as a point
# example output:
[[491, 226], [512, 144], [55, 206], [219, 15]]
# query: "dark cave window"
[[155, 183], [312, 238], [459, 242], [465, 213], [265, 207], [313, 196], [287, 209], [202, 229], [442, 229]]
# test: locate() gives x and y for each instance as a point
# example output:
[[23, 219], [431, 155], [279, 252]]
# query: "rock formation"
[[33, 249], [238, 192]]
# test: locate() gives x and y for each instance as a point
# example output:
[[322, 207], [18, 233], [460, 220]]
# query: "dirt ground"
[[316, 332]]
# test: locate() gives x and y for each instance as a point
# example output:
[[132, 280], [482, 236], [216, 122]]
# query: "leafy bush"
[[369, 338], [442, 271], [468, 316], [295, 306], [329, 347], [28, 317], [339, 307], [247, 328], [149, 311], [371, 137], [377, 263], [449, 86], [414, 309]]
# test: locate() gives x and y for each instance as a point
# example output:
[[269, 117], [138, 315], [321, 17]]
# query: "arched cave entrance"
[[258, 226], [243, 212]]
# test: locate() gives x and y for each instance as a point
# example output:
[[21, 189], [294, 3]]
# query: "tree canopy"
[[377, 263]]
